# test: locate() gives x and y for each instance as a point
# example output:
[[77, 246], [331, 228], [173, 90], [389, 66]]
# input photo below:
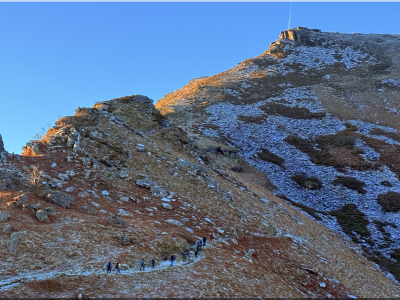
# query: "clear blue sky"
[[55, 57]]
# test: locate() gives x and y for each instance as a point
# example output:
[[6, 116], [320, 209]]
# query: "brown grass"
[[267, 155], [290, 112]]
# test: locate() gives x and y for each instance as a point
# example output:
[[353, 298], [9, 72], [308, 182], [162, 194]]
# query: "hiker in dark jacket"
[[196, 253], [153, 262], [109, 267], [172, 260], [141, 265], [117, 268], [204, 241]]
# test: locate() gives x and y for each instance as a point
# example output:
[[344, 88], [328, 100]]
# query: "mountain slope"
[[121, 184], [319, 114]]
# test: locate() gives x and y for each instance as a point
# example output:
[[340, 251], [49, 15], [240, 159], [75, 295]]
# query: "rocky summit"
[[289, 160]]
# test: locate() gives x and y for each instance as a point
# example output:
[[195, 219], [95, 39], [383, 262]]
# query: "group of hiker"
[[186, 254]]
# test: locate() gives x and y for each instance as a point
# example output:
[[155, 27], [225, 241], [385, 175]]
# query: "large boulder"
[[146, 183], [59, 198], [167, 206], [158, 191], [89, 209], [42, 216], [31, 149], [4, 216], [117, 221], [13, 242]]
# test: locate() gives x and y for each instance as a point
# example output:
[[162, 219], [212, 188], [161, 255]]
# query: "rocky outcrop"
[[42, 216], [59, 198], [31, 148]]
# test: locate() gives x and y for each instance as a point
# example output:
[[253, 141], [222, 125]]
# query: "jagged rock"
[[53, 165], [5, 181], [70, 189], [31, 207], [50, 210], [42, 216], [124, 175], [13, 242], [89, 209], [6, 227], [174, 222], [4, 216], [105, 193], [63, 177], [115, 220], [58, 198], [83, 194], [158, 191], [31, 148], [167, 206], [146, 183]]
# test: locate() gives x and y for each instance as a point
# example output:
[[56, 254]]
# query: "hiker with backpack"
[[204, 241], [172, 260], [211, 238], [141, 265], [196, 252], [153, 262], [109, 267], [117, 267]]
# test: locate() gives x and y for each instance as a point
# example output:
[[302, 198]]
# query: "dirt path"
[[14, 281]]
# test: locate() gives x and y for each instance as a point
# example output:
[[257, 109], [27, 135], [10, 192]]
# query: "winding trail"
[[14, 281]]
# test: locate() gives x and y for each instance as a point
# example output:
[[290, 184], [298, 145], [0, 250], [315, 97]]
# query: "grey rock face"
[[31, 147], [4, 216], [146, 183], [117, 221], [59, 198], [42, 216], [13, 242], [30, 206]]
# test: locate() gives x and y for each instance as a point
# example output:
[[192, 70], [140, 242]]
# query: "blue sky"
[[58, 56]]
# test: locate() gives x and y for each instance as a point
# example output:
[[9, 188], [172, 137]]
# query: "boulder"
[[30, 206], [89, 209], [21, 199], [146, 183], [167, 206], [4, 216], [50, 210], [158, 191], [42, 216], [58, 198], [5, 181], [13, 242], [117, 221], [31, 149]]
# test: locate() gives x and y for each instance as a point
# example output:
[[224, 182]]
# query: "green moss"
[[351, 183], [311, 183], [352, 221], [390, 201], [267, 155]]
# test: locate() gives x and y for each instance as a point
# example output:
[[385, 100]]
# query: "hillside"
[[319, 114], [122, 182]]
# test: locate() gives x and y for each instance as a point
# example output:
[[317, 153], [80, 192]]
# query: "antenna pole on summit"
[[290, 15]]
